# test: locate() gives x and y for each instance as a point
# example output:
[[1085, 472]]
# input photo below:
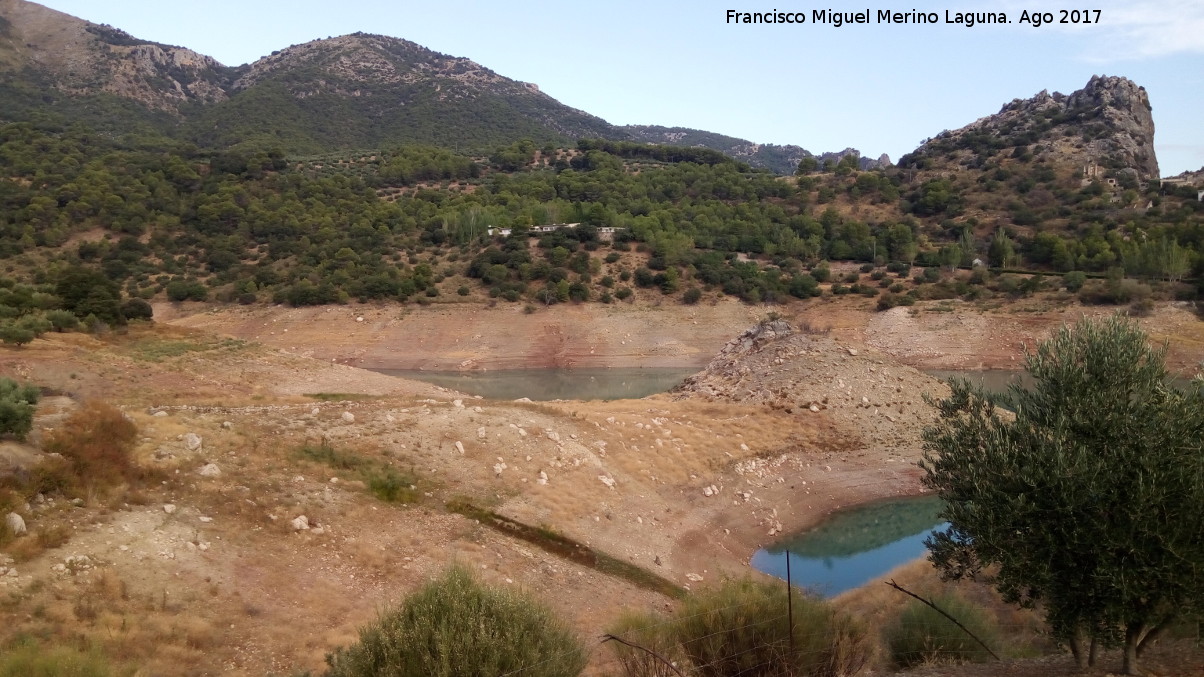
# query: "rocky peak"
[[1107, 124], [80, 57]]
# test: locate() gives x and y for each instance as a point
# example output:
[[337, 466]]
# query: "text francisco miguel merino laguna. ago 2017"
[[836, 19]]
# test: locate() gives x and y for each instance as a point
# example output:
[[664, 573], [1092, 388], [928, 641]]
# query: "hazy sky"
[[880, 88]]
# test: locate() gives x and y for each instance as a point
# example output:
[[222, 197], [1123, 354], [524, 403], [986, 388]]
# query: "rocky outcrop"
[[875, 398], [1107, 128], [79, 58]]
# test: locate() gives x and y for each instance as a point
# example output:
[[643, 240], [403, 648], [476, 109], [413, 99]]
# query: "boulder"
[[300, 523], [192, 441], [16, 524], [210, 470]]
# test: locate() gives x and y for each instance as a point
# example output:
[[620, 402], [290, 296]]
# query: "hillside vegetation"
[[161, 219]]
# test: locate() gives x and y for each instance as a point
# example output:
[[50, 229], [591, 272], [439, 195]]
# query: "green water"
[[553, 384], [855, 546]]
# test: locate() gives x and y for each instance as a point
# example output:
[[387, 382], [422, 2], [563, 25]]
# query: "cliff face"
[[78, 57], [1106, 125]]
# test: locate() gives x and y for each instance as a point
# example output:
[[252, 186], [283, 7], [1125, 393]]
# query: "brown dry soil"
[[473, 336], [189, 574]]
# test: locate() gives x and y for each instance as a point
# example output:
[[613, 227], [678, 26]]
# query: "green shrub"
[[62, 320], [742, 628], [1074, 280], [16, 407], [27, 658], [456, 626], [922, 635]]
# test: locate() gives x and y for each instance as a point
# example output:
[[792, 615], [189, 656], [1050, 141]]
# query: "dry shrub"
[[96, 441], [743, 628], [921, 635]]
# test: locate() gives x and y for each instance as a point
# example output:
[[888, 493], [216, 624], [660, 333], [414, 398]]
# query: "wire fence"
[[617, 655]]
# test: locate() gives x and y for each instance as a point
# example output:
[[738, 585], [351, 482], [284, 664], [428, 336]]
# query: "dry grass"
[[1020, 631]]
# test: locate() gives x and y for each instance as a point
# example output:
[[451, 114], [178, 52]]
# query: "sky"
[[877, 87]]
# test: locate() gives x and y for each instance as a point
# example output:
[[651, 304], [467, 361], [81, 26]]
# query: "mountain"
[[1104, 128], [348, 92], [779, 159], [362, 91], [39, 46]]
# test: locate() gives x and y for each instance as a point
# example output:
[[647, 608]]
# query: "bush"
[[16, 407], [693, 295], [456, 626], [922, 635], [741, 629], [62, 320], [13, 333], [96, 440], [1074, 280], [27, 658], [137, 309]]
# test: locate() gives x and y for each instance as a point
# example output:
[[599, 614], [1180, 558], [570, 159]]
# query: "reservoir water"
[[553, 384], [855, 546]]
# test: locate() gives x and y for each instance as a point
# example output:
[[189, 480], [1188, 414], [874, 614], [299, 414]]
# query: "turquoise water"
[[854, 547], [553, 384]]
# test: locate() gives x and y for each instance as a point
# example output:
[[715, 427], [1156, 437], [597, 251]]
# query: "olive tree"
[[1086, 503]]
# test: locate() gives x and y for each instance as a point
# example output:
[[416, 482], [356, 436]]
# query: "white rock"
[[460, 447], [814, 408], [552, 435], [523, 399], [543, 477], [853, 352], [458, 404], [315, 411], [169, 508], [607, 480], [300, 523], [16, 524], [159, 414], [498, 468], [707, 491], [694, 577], [210, 470], [227, 425], [348, 417], [192, 441], [359, 319]]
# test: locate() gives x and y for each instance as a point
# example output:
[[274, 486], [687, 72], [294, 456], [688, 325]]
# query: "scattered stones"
[[499, 467], [210, 470], [16, 524]]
